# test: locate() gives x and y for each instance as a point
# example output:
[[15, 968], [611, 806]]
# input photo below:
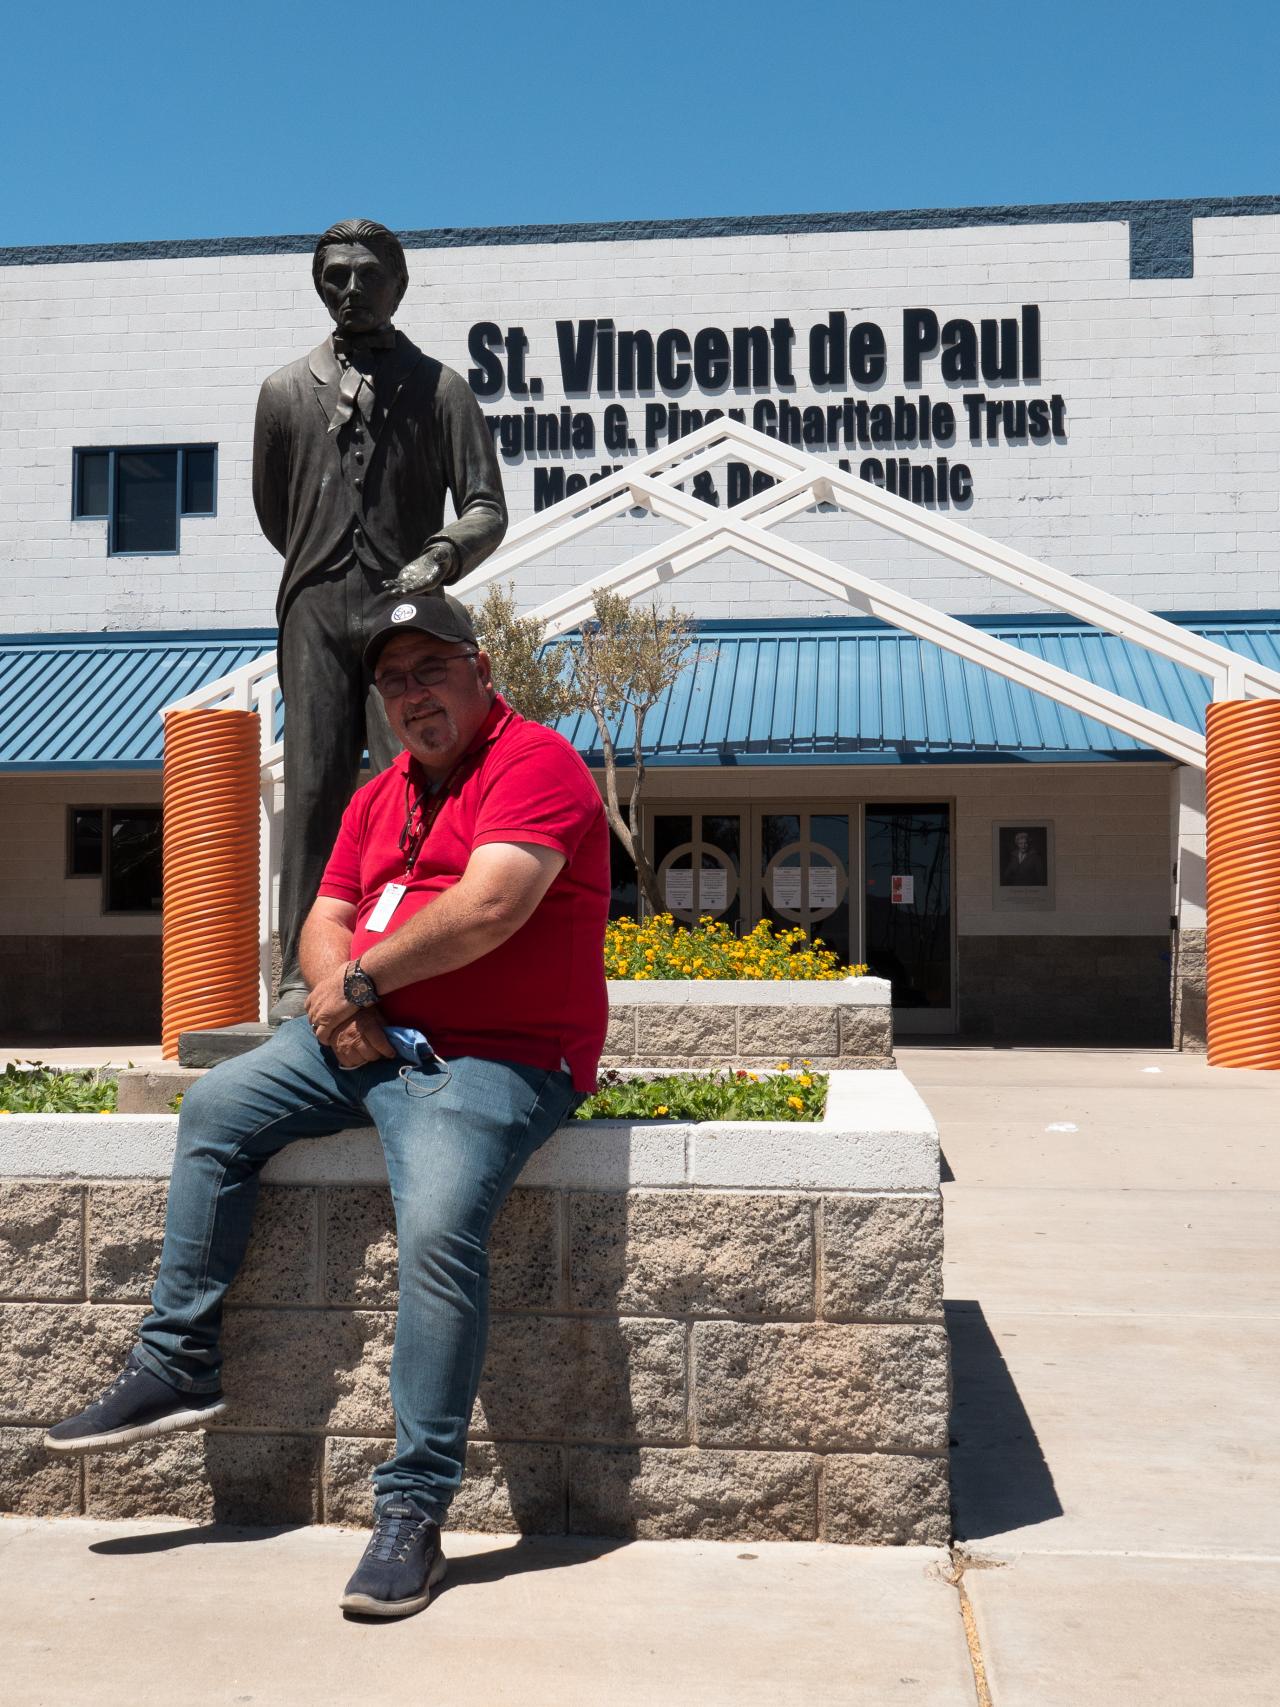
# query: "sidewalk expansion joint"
[[954, 1574]]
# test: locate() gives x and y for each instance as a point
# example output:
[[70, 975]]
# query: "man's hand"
[[362, 1040], [429, 573], [327, 1007]]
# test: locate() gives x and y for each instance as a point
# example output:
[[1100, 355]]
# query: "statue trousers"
[[332, 713]]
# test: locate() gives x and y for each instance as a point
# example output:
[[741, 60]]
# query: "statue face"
[[359, 292]]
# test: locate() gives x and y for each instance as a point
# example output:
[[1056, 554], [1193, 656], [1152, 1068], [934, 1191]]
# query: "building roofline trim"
[[1148, 221]]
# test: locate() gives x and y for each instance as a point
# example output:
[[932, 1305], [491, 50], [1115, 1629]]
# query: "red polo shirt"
[[540, 997]]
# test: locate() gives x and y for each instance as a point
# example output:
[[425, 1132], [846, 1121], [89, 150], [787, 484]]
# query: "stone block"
[[33, 1481], [126, 1234], [578, 1378], [510, 1487], [524, 1252], [677, 1253], [620, 1038], [223, 1043], [656, 1494], [41, 1240], [209, 1477], [54, 1358], [360, 1250], [880, 1499], [309, 1369], [866, 1033], [359, 1246], [820, 1386], [882, 1258], [151, 1090], [281, 1262], [688, 1031], [792, 1033]]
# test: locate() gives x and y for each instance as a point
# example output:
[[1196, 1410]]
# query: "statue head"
[[360, 274]]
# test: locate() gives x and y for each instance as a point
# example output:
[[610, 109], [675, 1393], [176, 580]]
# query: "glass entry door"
[[908, 911], [802, 864], [697, 857]]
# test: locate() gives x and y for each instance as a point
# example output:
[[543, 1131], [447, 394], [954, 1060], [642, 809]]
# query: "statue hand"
[[429, 573]]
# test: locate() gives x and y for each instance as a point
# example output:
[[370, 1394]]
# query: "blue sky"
[[143, 120]]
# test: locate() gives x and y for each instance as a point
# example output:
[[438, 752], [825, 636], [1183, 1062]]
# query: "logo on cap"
[[402, 613]]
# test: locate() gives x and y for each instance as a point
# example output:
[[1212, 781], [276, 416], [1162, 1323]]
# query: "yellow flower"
[[805, 1080], [784, 1066], [796, 1102], [754, 1077], [661, 1108]]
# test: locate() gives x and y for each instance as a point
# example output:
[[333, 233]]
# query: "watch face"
[[358, 987]]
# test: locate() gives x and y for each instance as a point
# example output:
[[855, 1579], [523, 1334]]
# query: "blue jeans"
[[454, 1146]]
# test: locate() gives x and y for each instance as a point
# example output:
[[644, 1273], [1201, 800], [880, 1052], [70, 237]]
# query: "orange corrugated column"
[[211, 800], [1242, 867]]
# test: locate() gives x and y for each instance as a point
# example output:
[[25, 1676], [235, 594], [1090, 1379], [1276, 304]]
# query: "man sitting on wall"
[[465, 900]]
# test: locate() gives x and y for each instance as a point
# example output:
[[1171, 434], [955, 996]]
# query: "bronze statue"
[[354, 447]]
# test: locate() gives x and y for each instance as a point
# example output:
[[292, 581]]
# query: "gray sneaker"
[[135, 1406]]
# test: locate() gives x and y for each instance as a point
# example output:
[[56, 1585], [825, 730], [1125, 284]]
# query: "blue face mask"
[[411, 1046]]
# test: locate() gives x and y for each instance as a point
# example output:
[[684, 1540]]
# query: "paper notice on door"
[[786, 886], [678, 890], [713, 890], [822, 888], [902, 891]]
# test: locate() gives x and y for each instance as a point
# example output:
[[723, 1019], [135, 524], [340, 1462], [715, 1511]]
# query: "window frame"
[[109, 815], [111, 514], [74, 811], [102, 876]]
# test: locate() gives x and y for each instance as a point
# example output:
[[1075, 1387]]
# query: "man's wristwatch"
[[358, 987]]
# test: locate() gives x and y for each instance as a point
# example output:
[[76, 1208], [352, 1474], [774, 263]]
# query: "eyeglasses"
[[428, 675]]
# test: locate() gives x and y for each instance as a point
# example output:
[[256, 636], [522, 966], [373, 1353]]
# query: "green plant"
[[33, 1087], [727, 1095]]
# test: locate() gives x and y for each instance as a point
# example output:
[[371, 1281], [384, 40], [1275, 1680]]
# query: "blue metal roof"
[[856, 692], [86, 702], [821, 691]]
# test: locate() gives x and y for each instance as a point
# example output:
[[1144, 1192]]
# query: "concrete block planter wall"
[[723, 1331], [713, 1023]]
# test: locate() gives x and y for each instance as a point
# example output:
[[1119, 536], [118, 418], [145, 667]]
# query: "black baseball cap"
[[437, 614]]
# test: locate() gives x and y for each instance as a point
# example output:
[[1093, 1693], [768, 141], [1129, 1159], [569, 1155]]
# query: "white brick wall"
[[1164, 492]]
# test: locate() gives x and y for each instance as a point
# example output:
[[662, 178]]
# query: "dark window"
[[93, 470], [197, 481], [143, 490], [133, 879], [146, 516], [84, 841]]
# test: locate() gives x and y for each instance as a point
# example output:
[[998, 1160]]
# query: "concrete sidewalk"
[[1113, 1282], [1113, 1285], [122, 1614]]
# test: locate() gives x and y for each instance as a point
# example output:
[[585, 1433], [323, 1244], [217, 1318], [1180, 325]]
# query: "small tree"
[[625, 660]]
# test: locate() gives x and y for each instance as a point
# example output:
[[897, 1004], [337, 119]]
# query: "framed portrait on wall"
[[1022, 874]]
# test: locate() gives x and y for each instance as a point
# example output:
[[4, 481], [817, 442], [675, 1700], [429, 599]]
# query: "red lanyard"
[[413, 841]]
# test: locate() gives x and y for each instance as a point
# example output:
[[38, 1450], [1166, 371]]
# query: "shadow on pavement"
[[525, 1553], [999, 1477], [202, 1535]]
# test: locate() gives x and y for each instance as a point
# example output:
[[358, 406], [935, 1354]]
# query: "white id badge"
[[388, 901]]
